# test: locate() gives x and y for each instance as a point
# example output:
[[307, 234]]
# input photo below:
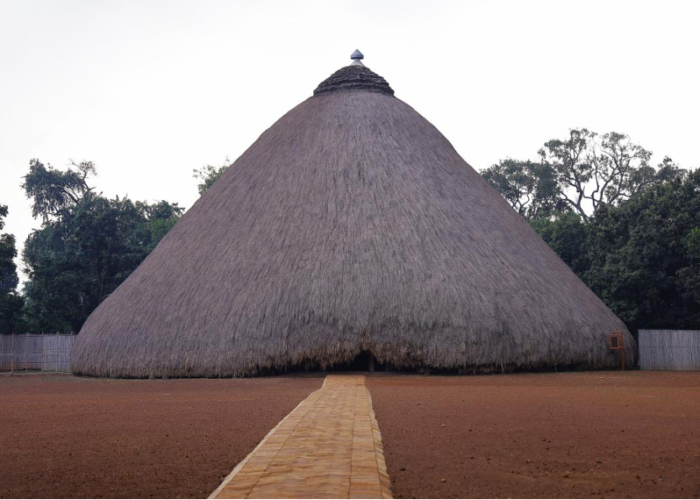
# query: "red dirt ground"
[[596, 434], [63, 436]]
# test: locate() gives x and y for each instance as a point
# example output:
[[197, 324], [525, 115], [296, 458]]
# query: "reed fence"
[[669, 349], [35, 352]]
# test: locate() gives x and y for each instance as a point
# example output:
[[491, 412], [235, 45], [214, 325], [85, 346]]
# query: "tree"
[[693, 243], [579, 174], [10, 301], [55, 192], [159, 220], [567, 235], [530, 188], [87, 245], [593, 172], [645, 255], [629, 230], [209, 175]]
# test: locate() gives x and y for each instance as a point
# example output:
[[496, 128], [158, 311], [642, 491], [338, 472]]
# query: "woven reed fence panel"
[[669, 349], [36, 352]]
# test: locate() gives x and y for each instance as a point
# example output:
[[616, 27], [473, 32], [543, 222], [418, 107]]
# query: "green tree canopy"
[[87, 245], [579, 174], [567, 235], [631, 231], [532, 189], [209, 175], [644, 256], [54, 192], [10, 301]]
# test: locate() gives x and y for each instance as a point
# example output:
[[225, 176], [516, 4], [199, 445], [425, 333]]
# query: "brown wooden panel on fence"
[[669, 349], [35, 352]]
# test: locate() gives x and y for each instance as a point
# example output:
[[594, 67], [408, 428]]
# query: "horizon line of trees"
[[629, 229], [86, 246]]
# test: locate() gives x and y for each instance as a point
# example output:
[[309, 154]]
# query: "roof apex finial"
[[357, 58]]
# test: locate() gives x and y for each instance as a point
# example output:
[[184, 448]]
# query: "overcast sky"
[[150, 90]]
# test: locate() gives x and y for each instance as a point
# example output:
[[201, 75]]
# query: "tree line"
[[87, 245], [629, 229]]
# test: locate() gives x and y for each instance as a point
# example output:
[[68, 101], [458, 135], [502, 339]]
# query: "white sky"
[[150, 90]]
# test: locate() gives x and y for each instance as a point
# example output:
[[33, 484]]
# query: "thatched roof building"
[[350, 225]]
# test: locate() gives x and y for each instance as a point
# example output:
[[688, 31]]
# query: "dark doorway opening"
[[363, 362]]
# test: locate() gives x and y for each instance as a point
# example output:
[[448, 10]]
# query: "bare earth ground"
[[63, 436], [595, 434]]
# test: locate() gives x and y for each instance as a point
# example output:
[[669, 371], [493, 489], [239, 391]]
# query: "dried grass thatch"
[[351, 224]]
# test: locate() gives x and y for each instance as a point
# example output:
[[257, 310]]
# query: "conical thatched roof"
[[351, 224]]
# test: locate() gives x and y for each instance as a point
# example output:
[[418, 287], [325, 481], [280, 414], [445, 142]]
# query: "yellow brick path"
[[328, 447]]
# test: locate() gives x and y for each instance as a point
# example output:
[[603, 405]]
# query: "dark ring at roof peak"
[[354, 77]]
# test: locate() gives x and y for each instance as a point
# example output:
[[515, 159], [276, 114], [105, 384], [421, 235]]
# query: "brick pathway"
[[328, 447]]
